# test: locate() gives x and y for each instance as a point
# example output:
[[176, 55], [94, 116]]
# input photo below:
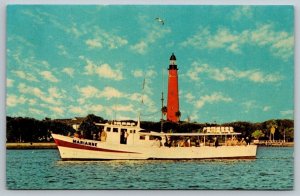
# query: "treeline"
[[284, 128], [24, 129]]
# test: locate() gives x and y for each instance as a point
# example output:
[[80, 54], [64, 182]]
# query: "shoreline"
[[52, 145], [33, 145]]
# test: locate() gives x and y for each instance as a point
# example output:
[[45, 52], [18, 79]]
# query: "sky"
[[235, 63]]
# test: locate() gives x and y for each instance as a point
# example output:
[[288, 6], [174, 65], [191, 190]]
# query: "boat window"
[[133, 131], [151, 137], [123, 130], [115, 129], [142, 137], [130, 131], [108, 129]]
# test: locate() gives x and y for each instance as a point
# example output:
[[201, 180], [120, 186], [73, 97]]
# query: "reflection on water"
[[43, 169]]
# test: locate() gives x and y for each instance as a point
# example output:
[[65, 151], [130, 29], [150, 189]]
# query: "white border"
[[3, 4]]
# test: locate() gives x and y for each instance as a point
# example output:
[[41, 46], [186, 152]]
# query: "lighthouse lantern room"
[[173, 113]]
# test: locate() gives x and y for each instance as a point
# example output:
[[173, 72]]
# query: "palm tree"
[[164, 110], [178, 114]]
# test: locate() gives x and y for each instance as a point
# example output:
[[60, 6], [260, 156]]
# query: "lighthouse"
[[173, 113]]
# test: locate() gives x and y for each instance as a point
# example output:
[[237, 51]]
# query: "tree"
[[258, 134], [178, 114], [88, 127], [164, 110]]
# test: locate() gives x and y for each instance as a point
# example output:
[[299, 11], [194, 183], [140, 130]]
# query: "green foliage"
[[257, 134], [19, 129], [32, 130]]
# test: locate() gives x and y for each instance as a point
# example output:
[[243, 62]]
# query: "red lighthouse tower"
[[173, 113]]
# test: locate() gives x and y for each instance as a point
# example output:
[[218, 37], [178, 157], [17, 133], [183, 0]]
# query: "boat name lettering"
[[84, 143]]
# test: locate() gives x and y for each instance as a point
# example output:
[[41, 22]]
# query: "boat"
[[128, 141]]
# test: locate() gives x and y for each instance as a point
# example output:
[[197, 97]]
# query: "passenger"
[[76, 134], [103, 136], [125, 137], [94, 136], [247, 141], [234, 141], [216, 142], [243, 142], [181, 143]]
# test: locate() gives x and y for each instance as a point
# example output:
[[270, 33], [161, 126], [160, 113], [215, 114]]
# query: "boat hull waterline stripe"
[[83, 147]]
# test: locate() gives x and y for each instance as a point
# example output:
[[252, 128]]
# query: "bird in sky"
[[160, 20]]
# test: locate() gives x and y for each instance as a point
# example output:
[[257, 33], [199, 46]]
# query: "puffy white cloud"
[[189, 97], [49, 76], [9, 82], [110, 92], [140, 47], [105, 39], [213, 98], [242, 12], [88, 91], [94, 43], [153, 33], [103, 71], [287, 113], [58, 110], [78, 110], [123, 108], [13, 100], [26, 76], [280, 43], [266, 108], [52, 97], [226, 73], [36, 111], [69, 71], [137, 73]]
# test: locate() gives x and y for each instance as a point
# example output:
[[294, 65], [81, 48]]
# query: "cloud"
[[69, 71], [94, 43], [242, 12], [153, 33], [228, 74], [36, 111], [62, 50], [13, 100], [287, 113], [189, 97], [280, 43], [25, 76], [140, 47], [137, 73], [58, 110], [103, 71], [110, 92], [266, 108], [53, 96], [93, 92], [213, 98], [104, 39], [49, 76], [78, 110], [123, 108], [9, 82]]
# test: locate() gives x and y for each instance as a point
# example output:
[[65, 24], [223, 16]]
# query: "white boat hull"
[[82, 149]]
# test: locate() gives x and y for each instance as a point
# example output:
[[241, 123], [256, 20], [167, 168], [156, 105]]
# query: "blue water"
[[43, 169]]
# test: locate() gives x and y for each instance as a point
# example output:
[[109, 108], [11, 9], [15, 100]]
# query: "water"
[[43, 169]]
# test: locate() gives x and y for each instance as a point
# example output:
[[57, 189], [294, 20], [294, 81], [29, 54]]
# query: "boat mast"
[[162, 115], [162, 102]]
